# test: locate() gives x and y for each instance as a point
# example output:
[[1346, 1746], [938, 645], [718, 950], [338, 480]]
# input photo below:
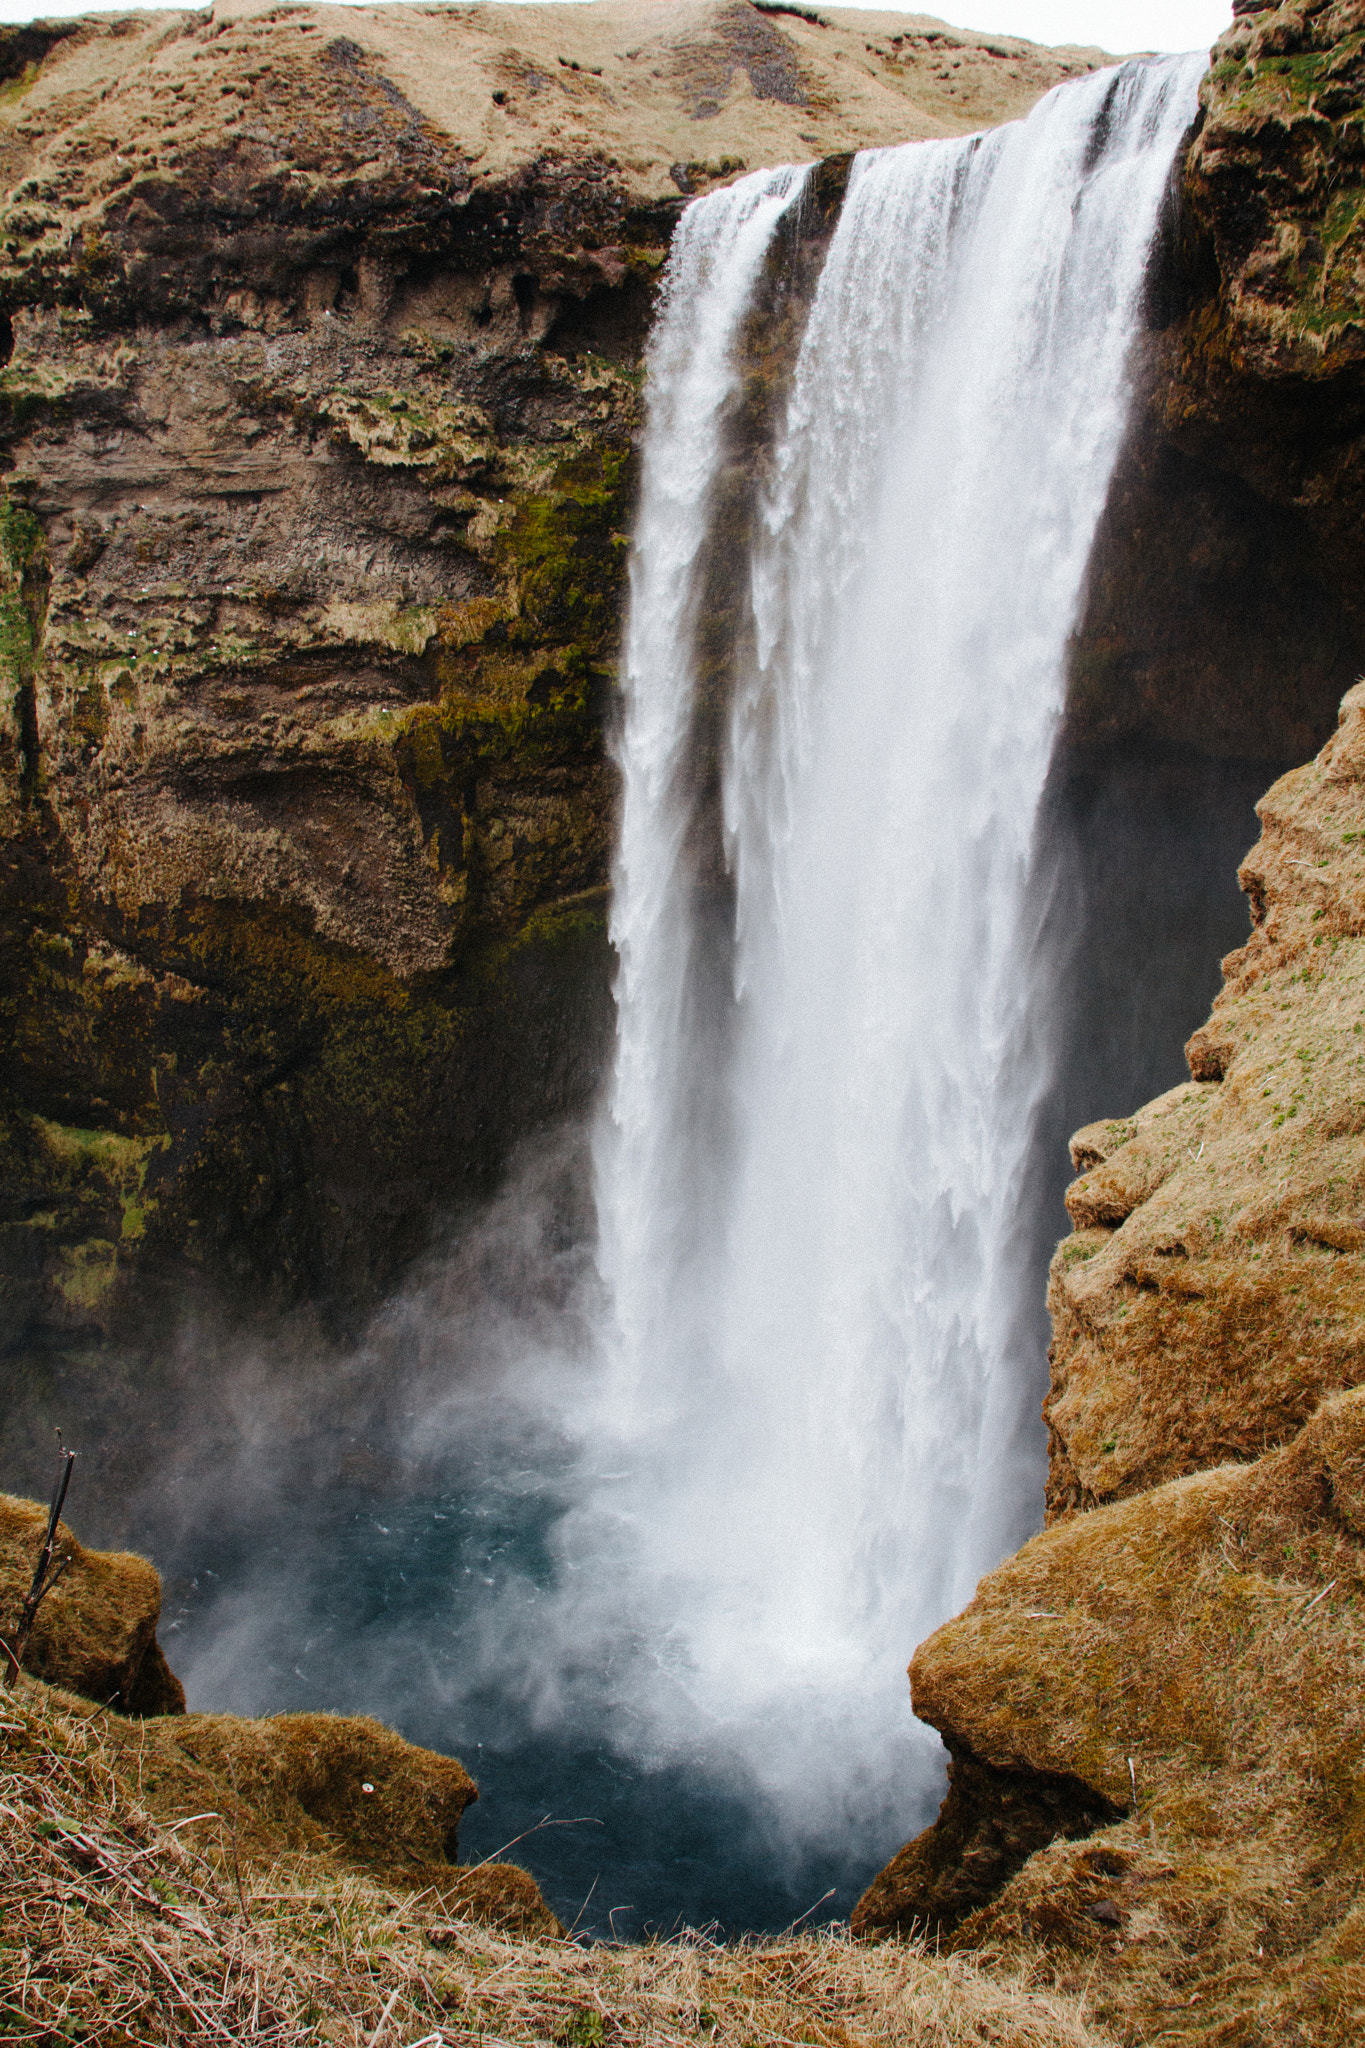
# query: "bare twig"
[[44, 1578], [584, 1820]]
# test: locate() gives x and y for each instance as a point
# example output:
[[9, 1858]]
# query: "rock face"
[[1225, 613], [1152, 1711], [1212, 1290], [95, 1632], [323, 336]]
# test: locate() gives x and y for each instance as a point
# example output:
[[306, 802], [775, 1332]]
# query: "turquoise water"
[[371, 1602]]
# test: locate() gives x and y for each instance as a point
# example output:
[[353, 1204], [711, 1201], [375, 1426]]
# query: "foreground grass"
[[119, 1929]]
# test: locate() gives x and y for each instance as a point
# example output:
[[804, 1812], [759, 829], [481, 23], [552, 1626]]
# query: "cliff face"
[[1153, 1710], [1210, 1294], [1158, 1706], [323, 336], [1225, 614]]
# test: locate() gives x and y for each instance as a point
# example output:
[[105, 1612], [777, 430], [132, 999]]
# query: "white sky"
[[1114, 24]]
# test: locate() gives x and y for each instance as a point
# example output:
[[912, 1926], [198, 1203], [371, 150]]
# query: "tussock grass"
[[122, 1929]]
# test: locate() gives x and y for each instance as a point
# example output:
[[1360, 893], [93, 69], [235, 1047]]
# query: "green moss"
[[17, 88], [22, 540], [404, 429], [568, 546], [100, 1164], [16, 635], [28, 393], [85, 1275]]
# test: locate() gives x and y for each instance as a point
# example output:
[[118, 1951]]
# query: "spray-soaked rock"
[[319, 398]]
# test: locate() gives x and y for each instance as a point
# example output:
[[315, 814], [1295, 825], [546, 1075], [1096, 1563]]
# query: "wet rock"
[[318, 415]]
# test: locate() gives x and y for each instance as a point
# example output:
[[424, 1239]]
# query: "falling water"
[[818, 1422], [658, 1181]]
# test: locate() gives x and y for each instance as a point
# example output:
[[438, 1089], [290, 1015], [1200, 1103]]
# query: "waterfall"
[[655, 1182], [817, 1421]]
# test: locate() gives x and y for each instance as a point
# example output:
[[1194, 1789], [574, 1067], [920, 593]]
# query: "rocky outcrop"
[[1189, 1659], [304, 1779], [323, 336], [1151, 1712], [319, 1794], [1225, 614], [327, 1788], [95, 1632], [1212, 1290]]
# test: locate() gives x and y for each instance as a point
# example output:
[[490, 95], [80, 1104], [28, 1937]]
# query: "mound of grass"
[[121, 1925]]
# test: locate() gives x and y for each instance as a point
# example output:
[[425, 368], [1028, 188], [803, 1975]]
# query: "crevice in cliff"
[[26, 713], [989, 1825]]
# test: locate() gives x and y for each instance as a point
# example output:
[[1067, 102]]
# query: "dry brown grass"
[[119, 1929], [96, 1630], [1204, 1646]]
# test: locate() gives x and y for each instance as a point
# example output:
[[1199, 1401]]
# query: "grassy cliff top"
[[653, 84]]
